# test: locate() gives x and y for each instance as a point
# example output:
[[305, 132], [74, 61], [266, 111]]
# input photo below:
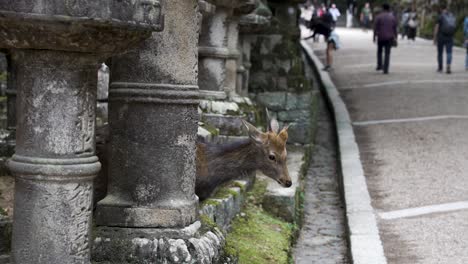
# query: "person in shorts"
[[333, 43]]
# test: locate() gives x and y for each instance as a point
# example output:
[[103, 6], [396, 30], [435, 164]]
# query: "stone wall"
[[277, 75]]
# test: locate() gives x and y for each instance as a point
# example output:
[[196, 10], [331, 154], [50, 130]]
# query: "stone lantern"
[[150, 213], [217, 47], [249, 25], [56, 48]]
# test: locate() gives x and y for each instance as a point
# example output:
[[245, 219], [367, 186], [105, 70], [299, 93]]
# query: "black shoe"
[[449, 71], [326, 68], [379, 68], [439, 70], [385, 72]]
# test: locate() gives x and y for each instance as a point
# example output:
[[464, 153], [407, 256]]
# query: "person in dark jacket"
[[444, 32], [385, 33]]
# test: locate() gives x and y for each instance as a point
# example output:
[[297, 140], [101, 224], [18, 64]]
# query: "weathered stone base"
[[192, 244], [221, 210], [5, 259]]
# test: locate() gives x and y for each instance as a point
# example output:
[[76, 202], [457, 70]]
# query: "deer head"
[[271, 151]]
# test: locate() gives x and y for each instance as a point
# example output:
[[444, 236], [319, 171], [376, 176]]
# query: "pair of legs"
[[383, 46], [466, 58], [330, 48], [448, 44]]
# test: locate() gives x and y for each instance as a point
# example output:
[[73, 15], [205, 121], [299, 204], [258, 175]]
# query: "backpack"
[[449, 24]]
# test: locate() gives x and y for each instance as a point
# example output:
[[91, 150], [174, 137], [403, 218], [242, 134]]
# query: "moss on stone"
[[239, 185], [208, 223], [3, 76], [225, 192], [257, 237], [213, 130], [210, 202]]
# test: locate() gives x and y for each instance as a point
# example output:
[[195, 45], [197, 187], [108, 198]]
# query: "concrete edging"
[[363, 235]]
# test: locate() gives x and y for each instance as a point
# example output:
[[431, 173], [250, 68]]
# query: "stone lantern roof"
[[246, 7], [82, 26], [257, 20], [206, 8]]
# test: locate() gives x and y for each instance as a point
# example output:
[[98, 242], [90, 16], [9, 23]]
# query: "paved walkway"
[[412, 130]]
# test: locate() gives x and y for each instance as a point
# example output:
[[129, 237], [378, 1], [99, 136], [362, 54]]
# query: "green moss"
[[207, 223], [210, 202], [258, 237], [212, 129], [232, 112], [239, 185], [225, 192], [2, 211], [3, 76]]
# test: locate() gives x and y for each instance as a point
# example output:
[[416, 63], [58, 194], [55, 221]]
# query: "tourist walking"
[[335, 13], [404, 23], [443, 37], [465, 30], [333, 43], [385, 33], [366, 17], [412, 24]]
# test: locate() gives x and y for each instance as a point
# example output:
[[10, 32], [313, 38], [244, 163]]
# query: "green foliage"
[[2, 211], [257, 237]]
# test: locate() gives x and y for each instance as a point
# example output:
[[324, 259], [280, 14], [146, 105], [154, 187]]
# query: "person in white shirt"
[[334, 12]]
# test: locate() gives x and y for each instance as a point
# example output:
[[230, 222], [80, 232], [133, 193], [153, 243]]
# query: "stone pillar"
[[234, 54], [11, 106], [102, 95], [250, 25], [153, 117], [213, 52], [54, 162], [233, 65], [56, 50]]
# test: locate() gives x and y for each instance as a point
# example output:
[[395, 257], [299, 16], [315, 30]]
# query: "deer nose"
[[288, 183]]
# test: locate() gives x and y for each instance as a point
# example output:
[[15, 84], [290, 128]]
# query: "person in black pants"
[[385, 32]]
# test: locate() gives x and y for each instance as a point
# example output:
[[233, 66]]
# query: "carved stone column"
[[233, 65], [56, 49], [213, 51], [11, 106], [153, 117], [249, 25]]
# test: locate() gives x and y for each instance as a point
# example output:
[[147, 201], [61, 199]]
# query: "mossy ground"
[[257, 237]]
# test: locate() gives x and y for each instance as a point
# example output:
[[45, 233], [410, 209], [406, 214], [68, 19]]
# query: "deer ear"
[[284, 133], [274, 126], [253, 132]]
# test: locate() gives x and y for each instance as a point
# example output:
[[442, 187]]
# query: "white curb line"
[[365, 244]]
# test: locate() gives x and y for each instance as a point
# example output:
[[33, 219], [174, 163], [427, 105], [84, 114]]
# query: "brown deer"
[[220, 163]]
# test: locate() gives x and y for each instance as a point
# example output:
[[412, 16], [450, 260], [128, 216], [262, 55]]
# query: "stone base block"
[[221, 210], [281, 201], [144, 245], [5, 259]]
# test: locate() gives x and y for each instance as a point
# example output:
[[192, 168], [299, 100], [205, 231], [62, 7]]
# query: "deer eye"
[[272, 157]]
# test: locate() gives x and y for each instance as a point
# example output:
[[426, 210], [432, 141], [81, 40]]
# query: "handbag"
[[394, 43]]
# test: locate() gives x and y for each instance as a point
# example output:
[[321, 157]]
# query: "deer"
[[217, 164]]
